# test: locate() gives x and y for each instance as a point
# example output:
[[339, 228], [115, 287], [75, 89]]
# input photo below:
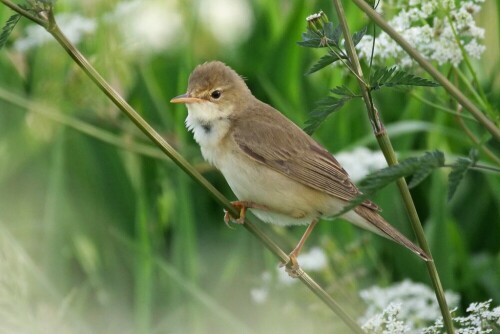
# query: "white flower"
[[230, 21], [423, 26], [259, 295], [387, 322], [360, 162], [148, 26], [313, 260], [474, 49], [72, 25], [418, 302], [410, 307]]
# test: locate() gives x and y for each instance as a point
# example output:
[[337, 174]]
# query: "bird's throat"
[[209, 128]]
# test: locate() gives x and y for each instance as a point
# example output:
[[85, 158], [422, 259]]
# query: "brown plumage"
[[268, 160]]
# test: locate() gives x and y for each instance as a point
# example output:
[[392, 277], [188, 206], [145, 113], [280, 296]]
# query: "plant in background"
[[437, 29], [409, 307], [322, 34]]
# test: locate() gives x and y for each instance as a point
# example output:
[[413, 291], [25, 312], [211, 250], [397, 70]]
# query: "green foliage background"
[[100, 233]]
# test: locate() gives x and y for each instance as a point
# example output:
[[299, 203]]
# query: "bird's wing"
[[271, 139]]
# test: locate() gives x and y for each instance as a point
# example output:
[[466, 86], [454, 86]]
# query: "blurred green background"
[[99, 232]]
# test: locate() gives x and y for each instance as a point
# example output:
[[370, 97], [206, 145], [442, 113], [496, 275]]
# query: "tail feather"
[[387, 230]]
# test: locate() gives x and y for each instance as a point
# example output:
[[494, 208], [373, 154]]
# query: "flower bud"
[[316, 21]]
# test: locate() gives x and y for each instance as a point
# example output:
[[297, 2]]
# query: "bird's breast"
[[209, 132]]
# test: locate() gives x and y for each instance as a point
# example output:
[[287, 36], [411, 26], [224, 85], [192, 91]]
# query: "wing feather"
[[270, 138]]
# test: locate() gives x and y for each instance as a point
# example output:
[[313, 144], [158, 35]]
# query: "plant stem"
[[450, 88], [481, 97], [25, 13], [390, 156], [442, 108], [75, 54]]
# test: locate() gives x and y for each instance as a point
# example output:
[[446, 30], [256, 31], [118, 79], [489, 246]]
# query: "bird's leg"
[[292, 267], [242, 206]]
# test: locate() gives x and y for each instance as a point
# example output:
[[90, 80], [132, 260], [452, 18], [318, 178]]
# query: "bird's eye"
[[216, 94]]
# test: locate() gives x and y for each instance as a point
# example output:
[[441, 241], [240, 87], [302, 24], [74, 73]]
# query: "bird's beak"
[[186, 98]]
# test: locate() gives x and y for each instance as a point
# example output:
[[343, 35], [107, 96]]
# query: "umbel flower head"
[[435, 28]]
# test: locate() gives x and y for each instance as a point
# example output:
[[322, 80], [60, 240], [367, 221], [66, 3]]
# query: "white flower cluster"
[[425, 24], [410, 307], [417, 302], [387, 321]]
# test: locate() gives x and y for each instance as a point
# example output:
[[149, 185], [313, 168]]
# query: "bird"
[[275, 169]]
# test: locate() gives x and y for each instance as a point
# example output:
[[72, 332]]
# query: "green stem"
[[450, 88], [25, 13], [54, 30], [390, 156], [481, 97], [377, 125], [469, 86], [440, 107]]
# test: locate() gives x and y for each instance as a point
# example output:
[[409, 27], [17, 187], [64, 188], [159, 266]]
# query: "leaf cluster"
[[326, 36]]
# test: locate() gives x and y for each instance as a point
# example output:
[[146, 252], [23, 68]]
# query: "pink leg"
[[292, 267], [242, 206]]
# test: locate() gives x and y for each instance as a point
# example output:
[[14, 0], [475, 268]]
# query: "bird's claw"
[[241, 220], [292, 267]]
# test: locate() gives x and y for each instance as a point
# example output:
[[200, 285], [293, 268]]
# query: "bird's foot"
[[242, 206], [292, 267]]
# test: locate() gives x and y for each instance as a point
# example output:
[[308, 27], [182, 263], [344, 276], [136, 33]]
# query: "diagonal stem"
[[390, 156]]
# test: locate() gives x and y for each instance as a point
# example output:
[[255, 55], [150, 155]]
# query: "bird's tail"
[[380, 226]]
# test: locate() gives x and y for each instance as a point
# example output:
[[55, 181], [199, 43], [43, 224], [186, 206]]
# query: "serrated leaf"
[[381, 178], [325, 107], [392, 77], [459, 168], [7, 28], [343, 91], [357, 36], [428, 163], [324, 61], [333, 35], [312, 39], [320, 39]]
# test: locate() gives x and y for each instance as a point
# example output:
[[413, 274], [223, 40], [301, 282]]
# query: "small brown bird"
[[274, 168]]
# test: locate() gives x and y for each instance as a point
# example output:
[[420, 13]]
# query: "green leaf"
[[325, 107], [7, 29], [343, 91], [333, 35], [421, 167], [324, 61], [392, 77], [320, 39], [356, 38], [312, 39], [459, 168], [429, 162]]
